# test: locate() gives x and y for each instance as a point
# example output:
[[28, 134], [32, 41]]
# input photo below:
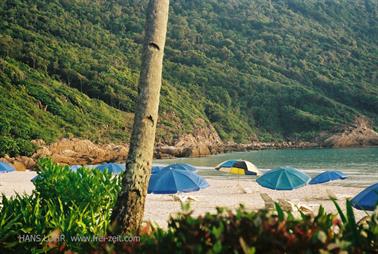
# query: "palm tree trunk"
[[128, 212]]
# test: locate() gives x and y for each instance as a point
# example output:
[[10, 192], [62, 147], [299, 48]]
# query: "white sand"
[[221, 193]]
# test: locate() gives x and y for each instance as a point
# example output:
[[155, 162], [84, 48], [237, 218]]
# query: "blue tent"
[[6, 168], [283, 178], [113, 168], [182, 166], [328, 176], [169, 181], [366, 199]]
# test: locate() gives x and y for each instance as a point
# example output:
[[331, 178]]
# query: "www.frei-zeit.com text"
[[90, 238]]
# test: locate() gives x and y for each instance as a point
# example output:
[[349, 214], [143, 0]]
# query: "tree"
[[128, 211]]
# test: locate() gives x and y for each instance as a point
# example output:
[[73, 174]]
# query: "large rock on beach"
[[77, 151]]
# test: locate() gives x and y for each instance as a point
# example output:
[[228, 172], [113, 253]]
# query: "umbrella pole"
[[239, 186]]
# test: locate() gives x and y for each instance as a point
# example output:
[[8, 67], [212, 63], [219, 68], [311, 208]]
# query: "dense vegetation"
[[253, 69], [64, 202], [78, 204]]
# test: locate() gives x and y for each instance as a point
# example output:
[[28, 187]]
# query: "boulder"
[[77, 151], [360, 133], [196, 151], [19, 166], [29, 163]]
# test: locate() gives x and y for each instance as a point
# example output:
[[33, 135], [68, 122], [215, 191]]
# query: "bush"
[[14, 147], [64, 203], [84, 188], [8, 146], [243, 231]]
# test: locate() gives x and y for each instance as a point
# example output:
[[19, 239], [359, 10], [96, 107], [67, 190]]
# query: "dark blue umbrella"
[[182, 166], [283, 178], [113, 168], [6, 168], [169, 181], [328, 176], [366, 199]]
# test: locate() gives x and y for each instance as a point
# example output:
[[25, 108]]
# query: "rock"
[[77, 151], [38, 142], [29, 163], [42, 152], [167, 152], [360, 133], [196, 151], [19, 166], [203, 141]]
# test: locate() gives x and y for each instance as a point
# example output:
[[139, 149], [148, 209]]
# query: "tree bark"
[[128, 212]]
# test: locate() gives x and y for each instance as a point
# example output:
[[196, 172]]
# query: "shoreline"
[[202, 150], [84, 152]]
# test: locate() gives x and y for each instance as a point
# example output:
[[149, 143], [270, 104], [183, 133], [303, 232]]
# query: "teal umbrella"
[[283, 178], [6, 168], [172, 180]]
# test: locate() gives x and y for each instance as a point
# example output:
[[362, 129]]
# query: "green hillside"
[[261, 69]]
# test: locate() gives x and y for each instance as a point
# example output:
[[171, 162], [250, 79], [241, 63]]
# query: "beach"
[[220, 193]]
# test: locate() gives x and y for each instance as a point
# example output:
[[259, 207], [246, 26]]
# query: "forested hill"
[[253, 69]]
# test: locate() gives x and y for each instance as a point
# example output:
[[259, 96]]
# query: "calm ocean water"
[[359, 164]]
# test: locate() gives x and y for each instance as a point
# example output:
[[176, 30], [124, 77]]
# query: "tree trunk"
[[128, 212]]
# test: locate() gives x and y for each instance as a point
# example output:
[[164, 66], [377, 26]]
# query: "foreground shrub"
[[84, 188], [64, 203], [244, 231]]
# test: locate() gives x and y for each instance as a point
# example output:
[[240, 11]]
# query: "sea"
[[359, 164]]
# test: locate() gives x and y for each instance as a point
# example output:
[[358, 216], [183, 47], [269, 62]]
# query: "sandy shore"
[[221, 193]]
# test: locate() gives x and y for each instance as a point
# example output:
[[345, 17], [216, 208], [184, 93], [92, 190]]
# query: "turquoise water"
[[360, 164]]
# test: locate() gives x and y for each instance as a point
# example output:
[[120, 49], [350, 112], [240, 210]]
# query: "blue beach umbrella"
[[113, 168], [283, 178], [181, 166], [155, 169], [6, 168], [328, 176], [366, 199], [169, 181]]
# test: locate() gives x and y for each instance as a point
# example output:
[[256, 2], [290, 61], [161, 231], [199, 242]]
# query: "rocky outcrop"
[[203, 141], [360, 133], [82, 152]]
